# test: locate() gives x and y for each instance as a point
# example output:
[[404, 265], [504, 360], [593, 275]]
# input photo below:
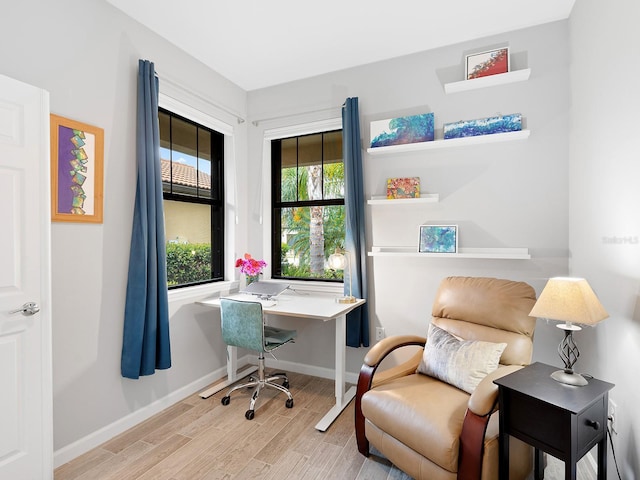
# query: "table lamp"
[[338, 261], [572, 301]]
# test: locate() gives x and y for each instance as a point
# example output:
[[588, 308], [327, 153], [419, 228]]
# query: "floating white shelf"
[[491, 253], [450, 143], [489, 81], [424, 198]]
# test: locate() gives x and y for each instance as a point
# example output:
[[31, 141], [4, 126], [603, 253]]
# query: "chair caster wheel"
[[289, 403], [285, 384], [225, 400], [249, 414]]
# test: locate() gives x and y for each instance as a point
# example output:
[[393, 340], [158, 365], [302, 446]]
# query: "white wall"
[[85, 53], [503, 195], [604, 199]]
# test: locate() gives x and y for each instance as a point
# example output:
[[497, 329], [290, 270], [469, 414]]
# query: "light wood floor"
[[201, 439]]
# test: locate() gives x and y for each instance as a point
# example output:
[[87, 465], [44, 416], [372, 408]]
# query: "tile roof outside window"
[[184, 175]]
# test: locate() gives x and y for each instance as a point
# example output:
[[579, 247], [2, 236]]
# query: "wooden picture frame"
[[77, 151], [438, 239], [484, 64]]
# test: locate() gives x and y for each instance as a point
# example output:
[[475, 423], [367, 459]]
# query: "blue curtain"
[[145, 345], [358, 319]]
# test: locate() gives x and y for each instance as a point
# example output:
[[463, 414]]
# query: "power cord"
[[613, 450]]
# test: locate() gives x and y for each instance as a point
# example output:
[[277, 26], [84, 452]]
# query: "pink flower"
[[250, 266]]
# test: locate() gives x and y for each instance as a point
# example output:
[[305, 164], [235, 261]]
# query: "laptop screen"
[[266, 289]]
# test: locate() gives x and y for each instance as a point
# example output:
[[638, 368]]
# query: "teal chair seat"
[[243, 326]]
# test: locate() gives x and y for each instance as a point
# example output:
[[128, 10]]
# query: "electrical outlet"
[[379, 333], [614, 421]]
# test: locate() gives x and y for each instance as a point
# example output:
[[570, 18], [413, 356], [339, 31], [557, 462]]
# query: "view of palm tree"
[[311, 233]]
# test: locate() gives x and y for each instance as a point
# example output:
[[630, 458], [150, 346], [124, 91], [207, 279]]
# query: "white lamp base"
[[569, 378]]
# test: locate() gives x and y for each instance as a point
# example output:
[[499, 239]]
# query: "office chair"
[[243, 326]]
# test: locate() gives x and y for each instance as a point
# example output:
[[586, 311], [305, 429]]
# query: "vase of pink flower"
[[251, 268]]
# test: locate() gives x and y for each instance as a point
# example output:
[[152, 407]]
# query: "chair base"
[[262, 381]]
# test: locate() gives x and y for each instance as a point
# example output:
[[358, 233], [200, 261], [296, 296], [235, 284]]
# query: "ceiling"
[[258, 43]]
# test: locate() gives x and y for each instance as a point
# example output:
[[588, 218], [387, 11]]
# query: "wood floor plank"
[[287, 437], [179, 423], [191, 453], [349, 462], [117, 462], [255, 469], [84, 463], [153, 457], [321, 462], [240, 452], [342, 428], [289, 466], [138, 432]]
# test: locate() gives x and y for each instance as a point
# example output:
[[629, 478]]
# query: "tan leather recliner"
[[428, 428]]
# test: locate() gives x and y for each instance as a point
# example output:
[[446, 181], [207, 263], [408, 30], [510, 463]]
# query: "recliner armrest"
[[484, 398], [387, 345], [366, 378]]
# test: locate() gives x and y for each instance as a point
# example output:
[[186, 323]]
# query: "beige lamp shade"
[[570, 300]]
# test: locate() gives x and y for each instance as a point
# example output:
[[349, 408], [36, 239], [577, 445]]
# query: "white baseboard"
[[97, 438], [311, 370]]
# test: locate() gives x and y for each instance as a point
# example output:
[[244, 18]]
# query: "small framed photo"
[[438, 239], [487, 63], [76, 171], [403, 187]]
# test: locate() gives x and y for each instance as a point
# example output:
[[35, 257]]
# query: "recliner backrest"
[[488, 309]]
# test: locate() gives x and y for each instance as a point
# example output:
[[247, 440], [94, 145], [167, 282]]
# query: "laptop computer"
[[265, 289]]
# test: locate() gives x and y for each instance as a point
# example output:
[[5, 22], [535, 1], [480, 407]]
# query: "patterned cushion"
[[461, 363]]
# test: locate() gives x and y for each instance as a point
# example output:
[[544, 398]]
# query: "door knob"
[[29, 308]]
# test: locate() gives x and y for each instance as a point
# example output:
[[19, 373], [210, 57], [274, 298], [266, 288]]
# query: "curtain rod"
[[222, 108], [279, 117]]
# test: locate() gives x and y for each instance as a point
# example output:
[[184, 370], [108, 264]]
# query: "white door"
[[26, 439]]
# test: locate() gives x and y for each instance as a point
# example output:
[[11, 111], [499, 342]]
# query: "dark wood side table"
[[562, 420]]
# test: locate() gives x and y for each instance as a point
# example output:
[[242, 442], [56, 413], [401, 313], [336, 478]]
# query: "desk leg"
[[232, 373], [342, 398]]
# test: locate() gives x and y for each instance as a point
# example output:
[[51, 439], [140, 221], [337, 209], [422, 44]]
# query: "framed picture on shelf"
[[77, 151], [483, 126], [438, 239], [403, 187], [487, 63], [402, 130]]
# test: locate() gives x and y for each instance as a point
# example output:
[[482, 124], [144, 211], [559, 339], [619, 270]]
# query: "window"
[[307, 204], [191, 157]]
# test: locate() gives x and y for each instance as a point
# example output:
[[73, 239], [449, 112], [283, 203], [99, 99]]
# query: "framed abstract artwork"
[[77, 151], [438, 239], [483, 126], [403, 187], [402, 130], [487, 63]]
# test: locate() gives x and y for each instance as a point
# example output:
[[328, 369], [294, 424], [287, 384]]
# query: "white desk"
[[303, 305]]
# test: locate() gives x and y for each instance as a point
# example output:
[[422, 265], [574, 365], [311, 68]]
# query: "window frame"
[[199, 112], [313, 284], [217, 214]]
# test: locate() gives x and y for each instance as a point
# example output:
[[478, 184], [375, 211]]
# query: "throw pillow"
[[461, 363]]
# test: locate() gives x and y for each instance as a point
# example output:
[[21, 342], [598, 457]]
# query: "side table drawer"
[[537, 423], [588, 433]]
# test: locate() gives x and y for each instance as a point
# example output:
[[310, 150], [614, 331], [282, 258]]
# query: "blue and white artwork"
[[402, 130], [483, 126], [438, 239]]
